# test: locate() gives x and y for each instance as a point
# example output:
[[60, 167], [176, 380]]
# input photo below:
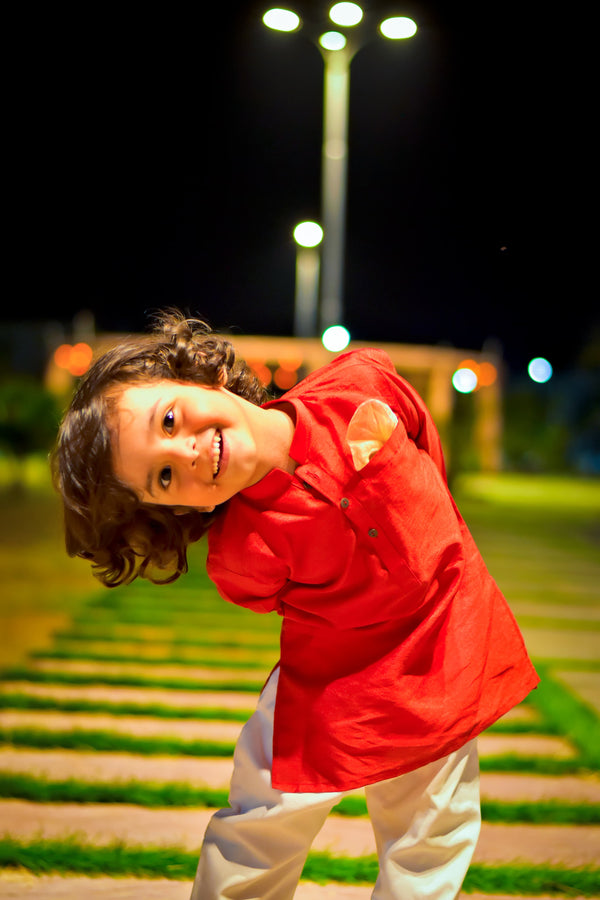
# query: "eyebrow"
[[151, 418]]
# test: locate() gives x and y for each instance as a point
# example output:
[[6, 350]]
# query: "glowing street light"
[[540, 370], [337, 48], [308, 236], [346, 14], [398, 28], [464, 380], [281, 20], [335, 338], [333, 40]]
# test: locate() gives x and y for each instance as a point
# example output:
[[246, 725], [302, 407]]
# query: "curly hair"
[[104, 520]]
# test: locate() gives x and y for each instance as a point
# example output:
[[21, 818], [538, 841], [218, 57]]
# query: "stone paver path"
[[19, 885], [102, 823], [94, 681]]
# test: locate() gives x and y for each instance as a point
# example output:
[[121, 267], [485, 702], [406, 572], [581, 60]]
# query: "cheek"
[[128, 465]]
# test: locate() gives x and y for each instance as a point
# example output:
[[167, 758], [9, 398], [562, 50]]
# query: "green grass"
[[179, 794], [570, 716], [138, 793], [109, 741], [212, 662], [157, 710], [175, 638], [17, 700], [69, 857], [539, 537], [128, 680]]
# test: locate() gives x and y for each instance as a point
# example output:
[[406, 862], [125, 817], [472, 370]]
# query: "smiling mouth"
[[217, 453]]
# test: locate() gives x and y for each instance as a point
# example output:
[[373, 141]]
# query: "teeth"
[[216, 453]]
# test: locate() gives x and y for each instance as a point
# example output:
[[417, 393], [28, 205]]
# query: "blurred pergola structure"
[[428, 368]]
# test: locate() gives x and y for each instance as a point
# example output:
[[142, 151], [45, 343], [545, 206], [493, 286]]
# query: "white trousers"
[[426, 825]]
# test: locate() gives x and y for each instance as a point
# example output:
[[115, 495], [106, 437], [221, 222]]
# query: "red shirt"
[[397, 646]]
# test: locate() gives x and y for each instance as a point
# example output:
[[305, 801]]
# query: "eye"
[[169, 421], [164, 477]]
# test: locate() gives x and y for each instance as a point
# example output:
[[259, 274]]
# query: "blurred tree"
[[29, 417]]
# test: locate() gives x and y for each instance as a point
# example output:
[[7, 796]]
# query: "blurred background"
[[165, 159]]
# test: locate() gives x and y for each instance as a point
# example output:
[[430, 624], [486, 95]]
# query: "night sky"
[[163, 158]]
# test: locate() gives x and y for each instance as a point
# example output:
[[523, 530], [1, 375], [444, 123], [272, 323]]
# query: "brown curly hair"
[[104, 520]]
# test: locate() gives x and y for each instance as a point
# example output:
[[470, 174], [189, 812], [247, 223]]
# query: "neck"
[[278, 436]]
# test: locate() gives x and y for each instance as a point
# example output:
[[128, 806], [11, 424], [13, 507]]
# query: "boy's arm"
[[255, 591]]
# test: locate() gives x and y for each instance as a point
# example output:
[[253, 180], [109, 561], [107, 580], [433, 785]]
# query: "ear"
[[222, 380]]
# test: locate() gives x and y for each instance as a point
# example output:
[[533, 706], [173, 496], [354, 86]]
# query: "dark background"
[[163, 158]]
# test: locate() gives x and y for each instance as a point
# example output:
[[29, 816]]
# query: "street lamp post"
[[334, 180], [337, 48], [308, 236]]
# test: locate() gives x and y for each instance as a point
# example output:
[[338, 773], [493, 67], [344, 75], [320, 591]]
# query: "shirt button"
[[344, 503], [372, 532]]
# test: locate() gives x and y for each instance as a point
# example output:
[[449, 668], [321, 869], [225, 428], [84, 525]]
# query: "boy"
[[330, 506]]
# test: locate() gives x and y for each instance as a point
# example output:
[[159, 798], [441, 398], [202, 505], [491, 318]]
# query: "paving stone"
[[566, 643], [516, 787], [58, 765], [107, 767], [189, 729], [151, 651], [580, 612], [585, 684], [115, 694], [524, 745], [550, 844], [521, 714], [140, 726], [156, 671], [14, 886], [575, 845]]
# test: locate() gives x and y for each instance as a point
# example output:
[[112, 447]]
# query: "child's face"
[[181, 444]]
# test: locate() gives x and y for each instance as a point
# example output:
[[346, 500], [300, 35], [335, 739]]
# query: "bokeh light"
[[487, 374], [308, 234], [261, 370], [285, 378], [335, 338], [346, 14], [464, 380], [332, 40], [540, 370], [398, 27], [76, 359], [281, 19], [291, 363]]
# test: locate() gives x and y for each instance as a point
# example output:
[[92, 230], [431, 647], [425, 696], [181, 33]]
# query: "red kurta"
[[397, 646]]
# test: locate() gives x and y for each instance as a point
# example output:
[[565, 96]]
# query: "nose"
[[185, 449]]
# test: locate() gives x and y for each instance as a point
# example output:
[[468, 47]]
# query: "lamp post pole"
[[337, 50], [334, 181], [308, 236]]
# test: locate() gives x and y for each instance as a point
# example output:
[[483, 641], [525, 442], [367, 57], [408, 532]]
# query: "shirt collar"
[[277, 482]]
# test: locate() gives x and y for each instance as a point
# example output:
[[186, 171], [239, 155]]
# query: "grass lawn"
[[538, 534], [41, 586]]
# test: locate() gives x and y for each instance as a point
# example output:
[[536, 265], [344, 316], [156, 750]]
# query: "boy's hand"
[[370, 427]]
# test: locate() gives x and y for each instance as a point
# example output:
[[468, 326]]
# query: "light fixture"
[[346, 14], [398, 27], [332, 40], [281, 19]]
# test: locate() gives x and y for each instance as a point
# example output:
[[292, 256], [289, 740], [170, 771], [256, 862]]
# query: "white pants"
[[426, 825]]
